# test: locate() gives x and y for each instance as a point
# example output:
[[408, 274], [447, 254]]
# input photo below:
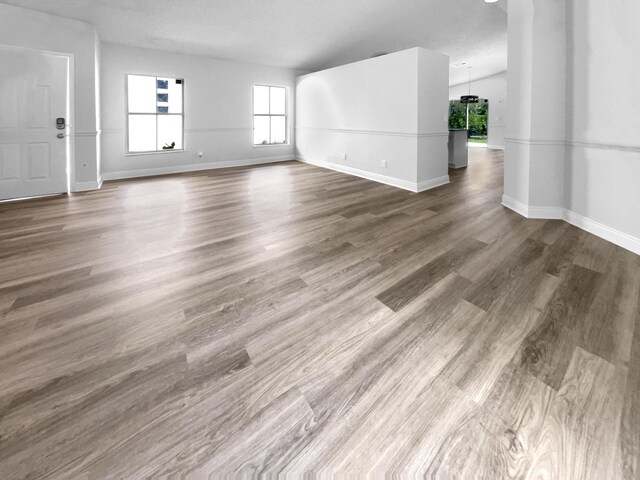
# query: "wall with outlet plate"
[[218, 112], [384, 118]]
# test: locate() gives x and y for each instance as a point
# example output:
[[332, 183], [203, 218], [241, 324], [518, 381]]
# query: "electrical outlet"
[[343, 157], [384, 164]]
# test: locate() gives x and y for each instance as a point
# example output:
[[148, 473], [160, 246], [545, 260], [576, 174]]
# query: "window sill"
[[272, 145], [155, 152]]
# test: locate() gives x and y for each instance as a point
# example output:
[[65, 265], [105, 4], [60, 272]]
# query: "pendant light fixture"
[[466, 99]]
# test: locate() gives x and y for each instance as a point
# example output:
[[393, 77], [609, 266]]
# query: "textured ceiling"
[[304, 34]]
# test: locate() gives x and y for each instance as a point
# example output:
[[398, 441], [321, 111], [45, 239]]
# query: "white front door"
[[33, 94]]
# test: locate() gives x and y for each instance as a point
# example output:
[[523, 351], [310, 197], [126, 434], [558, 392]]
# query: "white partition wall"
[[433, 119], [384, 119]]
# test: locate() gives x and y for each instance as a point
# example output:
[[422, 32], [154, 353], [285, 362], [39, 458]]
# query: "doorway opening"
[[472, 117]]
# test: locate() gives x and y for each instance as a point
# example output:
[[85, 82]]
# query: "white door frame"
[[70, 113]]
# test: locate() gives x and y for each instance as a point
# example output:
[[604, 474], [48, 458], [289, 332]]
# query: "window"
[[154, 114], [269, 115], [473, 117]]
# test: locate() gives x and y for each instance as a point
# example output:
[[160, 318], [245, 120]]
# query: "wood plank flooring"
[[290, 320]]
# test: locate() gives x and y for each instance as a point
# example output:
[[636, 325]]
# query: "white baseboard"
[[149, 172], [549, 213], [376, 177], [598, 229], [429, 184], [516, 206], [87, 186]]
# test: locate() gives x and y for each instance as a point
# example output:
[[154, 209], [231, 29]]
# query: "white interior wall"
[[603, 125], [535, 134], [23, 28], [548, 101], [494, 88], [572, 149], [372, 111], [217, 104], [433, 117], [518, 126]]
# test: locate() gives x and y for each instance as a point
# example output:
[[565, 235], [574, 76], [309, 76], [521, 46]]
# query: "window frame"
[[269, 115], [127, 114]]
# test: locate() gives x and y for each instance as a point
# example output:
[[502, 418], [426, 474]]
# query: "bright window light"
[[269, 115], [155, 120]]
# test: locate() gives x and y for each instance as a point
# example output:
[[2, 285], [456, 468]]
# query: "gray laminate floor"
[[289, 319]]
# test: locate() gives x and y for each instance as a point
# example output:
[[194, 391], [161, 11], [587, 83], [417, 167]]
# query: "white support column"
[[536, 101]]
